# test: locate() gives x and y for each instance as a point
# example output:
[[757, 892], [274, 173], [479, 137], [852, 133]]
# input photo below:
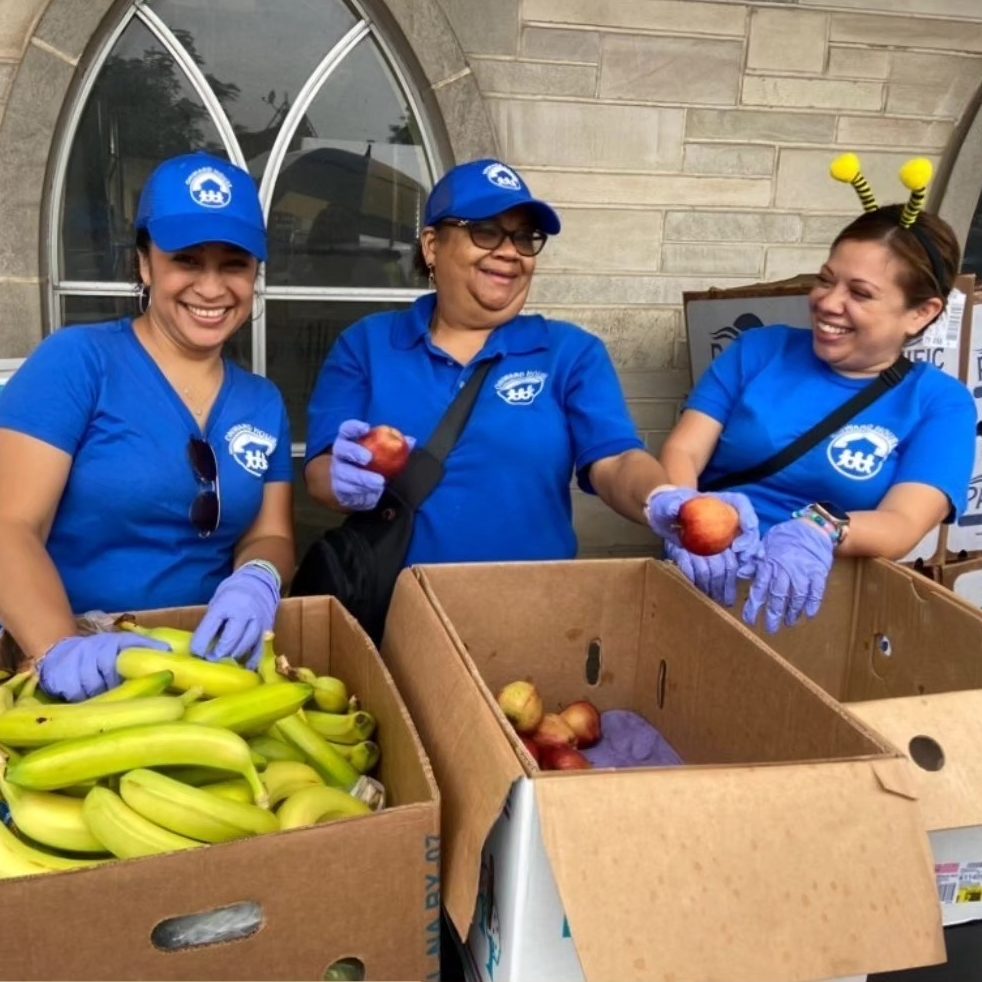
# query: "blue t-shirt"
[[769, 387], [122, 538], [551, 404]]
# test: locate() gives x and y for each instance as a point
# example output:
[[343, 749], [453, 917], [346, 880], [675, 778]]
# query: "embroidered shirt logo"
[[859, 452], [209, 188], [250, 448], [520, 388], [502, 177]]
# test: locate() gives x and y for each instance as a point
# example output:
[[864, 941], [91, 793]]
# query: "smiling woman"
[[139, 468], [551, 406], [893, 465]]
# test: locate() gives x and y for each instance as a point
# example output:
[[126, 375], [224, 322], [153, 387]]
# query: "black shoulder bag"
[[885, 381], [358, 562]]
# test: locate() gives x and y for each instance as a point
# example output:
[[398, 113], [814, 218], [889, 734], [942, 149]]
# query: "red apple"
[[533, 748], [389, 449], [707, 525], [563, 759], [522, 704], [554, 731], [584, 720]]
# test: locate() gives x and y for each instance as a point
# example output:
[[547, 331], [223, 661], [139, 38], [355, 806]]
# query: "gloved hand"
[[791, 575], [243, 607], [78, 668], [715, 575], [353, 486]]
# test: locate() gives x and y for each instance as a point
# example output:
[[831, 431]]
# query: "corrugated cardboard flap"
[[472, 758], [943, 730], [740, 874]]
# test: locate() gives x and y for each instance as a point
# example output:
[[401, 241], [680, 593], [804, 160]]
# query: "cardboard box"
[[714, 318], [366, 888], [905, 655], [763, 859]]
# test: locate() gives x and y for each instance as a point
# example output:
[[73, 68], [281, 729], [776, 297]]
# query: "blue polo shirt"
[[551, 405], [122, 539], [769, 387]]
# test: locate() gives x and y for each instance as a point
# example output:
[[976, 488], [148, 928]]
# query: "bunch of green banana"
[[138, 771]]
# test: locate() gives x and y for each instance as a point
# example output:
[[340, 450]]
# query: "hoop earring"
[[431, 276], [143, 298]]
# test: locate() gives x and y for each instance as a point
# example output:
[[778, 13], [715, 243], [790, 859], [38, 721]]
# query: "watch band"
[[836, 529]]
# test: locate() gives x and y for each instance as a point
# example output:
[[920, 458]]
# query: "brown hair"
[[918, 279]]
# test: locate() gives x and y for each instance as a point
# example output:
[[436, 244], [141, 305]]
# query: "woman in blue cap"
[[550, 407], [139, 468]]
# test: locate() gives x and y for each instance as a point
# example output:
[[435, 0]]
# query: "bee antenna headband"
[[915, 176]]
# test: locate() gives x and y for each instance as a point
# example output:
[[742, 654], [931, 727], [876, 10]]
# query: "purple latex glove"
[[353, 486], [629, 740], [791, 575], [662, 511], [78, 668], [715, 575], [243, 608]]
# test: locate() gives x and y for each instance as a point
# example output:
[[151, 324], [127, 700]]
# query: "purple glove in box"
[[629, 740]]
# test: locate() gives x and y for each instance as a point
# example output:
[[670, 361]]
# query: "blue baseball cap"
[[199, 198], [482, 189]]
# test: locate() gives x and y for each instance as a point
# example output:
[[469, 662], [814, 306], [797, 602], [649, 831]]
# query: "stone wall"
[[686, 144]]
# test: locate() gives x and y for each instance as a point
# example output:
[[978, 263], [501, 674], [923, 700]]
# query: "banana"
[[251, 711], [236, 789], [331, 766], [154, 684], [16, 682], [342, 727], [125, 833], [158, 745], [179, 641], [29, 692], [362, 756], [272, 749], [283, 777], [35, 726], [6, 699], [213, 678], [15, 864], [319, 803], [54, 820], [47, 860], [330, 693], [192, 811]]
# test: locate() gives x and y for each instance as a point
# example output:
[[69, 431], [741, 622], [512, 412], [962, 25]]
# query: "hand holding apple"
[[707, 525]]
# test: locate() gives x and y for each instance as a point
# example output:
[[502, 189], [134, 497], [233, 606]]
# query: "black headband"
[[934, 256]]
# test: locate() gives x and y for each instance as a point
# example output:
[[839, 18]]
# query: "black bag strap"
[[425, 468], [885, 381]]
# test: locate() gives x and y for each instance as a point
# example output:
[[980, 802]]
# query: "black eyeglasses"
[[489, 235], [206, 509]]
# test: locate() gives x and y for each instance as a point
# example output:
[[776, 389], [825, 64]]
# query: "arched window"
[[305, 94], [961, 204]]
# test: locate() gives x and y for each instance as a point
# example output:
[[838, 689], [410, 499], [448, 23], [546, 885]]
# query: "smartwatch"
[[829, 517]]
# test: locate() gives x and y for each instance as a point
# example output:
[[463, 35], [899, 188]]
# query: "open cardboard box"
[[365, 888], [763, 859], [905, 654]]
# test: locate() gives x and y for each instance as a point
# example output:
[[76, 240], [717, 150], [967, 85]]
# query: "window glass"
[[346, 206], [256, 56], [299, 335], [92, 310], [141, 110]]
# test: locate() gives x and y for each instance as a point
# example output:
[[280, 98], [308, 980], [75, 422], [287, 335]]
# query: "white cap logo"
[[502, 177], [210, 188]]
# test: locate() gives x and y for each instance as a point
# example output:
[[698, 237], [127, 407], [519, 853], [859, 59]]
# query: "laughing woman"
[[877, 484], [139, 468]]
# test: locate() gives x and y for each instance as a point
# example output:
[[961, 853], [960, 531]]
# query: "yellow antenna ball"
[[916, 173], [845, 168]]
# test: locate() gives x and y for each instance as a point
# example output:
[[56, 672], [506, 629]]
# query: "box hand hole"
[[345, 970], [594, 660], [660, 684], [926, 753], [218, 926]]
